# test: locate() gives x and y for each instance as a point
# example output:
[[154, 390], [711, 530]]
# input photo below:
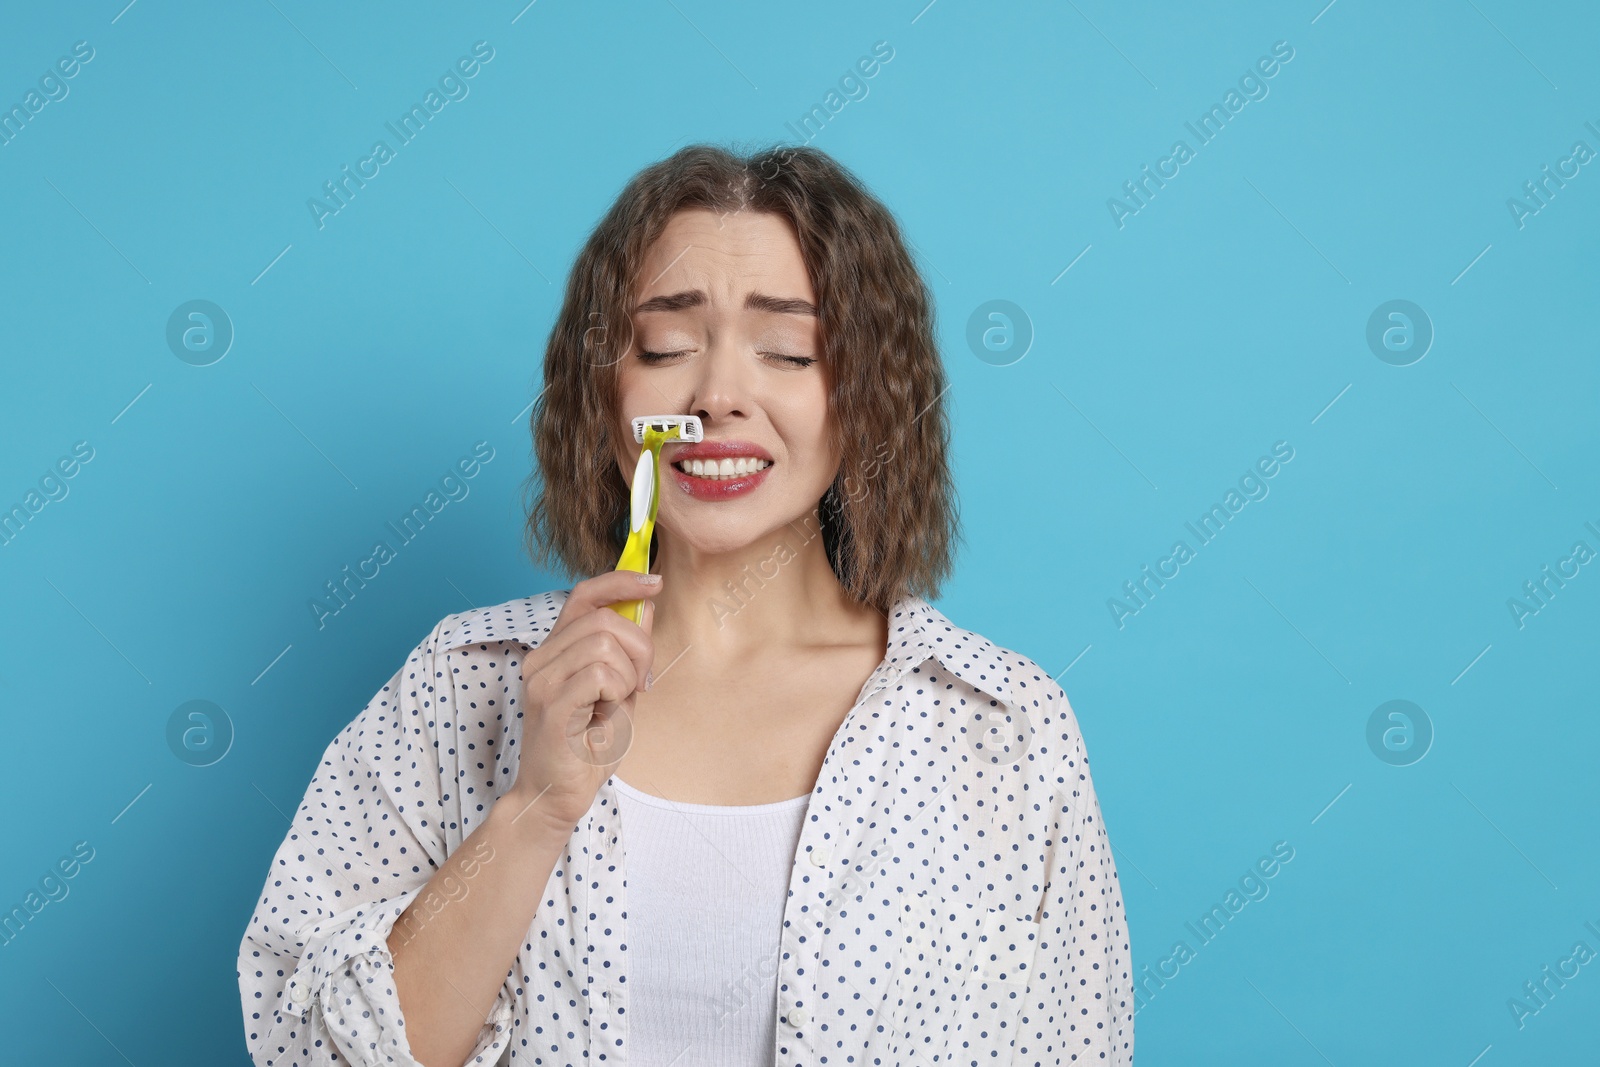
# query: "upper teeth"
[[727, 468]]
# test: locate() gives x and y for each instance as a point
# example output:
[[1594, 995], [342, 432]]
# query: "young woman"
[[795, 817]]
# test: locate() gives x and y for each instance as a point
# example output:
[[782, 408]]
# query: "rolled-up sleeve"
[[1078, 1006], [315, 975]]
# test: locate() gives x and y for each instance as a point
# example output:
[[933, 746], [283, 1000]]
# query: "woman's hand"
[[578, 689]]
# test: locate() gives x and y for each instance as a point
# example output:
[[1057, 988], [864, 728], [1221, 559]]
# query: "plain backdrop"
[[1143, 363]]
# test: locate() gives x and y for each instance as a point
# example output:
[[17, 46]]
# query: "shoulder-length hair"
[[889, 520]]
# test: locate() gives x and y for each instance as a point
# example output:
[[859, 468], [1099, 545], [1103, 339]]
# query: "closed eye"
[[793, 361], [798, 362]]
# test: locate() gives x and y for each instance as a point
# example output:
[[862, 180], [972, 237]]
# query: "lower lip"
[[719, 488]]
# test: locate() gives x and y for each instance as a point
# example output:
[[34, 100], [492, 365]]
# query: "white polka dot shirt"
[[952, 900]]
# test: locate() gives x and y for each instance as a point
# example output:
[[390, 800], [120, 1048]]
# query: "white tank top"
[[706, 891]]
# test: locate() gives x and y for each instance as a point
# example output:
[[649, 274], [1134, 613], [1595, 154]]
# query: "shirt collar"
[[918, 632]]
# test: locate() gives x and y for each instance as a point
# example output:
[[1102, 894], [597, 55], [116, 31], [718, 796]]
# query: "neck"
[[777, 592]]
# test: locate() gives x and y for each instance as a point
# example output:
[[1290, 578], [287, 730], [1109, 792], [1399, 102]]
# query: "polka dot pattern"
[[955, 899]]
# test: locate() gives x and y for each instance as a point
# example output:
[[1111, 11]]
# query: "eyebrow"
[[689, 298]]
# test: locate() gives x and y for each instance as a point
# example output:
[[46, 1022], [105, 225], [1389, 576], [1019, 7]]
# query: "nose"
[[721, 392]]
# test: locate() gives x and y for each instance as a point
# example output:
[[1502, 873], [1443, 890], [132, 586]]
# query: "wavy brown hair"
[[889, 520]]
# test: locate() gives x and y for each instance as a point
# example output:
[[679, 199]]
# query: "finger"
[[581, 612], [597, 648], [600, 647], [634, 641], [595, 683], [612, 587]]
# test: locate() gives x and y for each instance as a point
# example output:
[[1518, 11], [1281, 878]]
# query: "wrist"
[[528, 820]]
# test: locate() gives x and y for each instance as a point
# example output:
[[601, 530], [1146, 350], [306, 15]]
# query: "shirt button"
[[819, 856], [300, 995], [796, 1018]]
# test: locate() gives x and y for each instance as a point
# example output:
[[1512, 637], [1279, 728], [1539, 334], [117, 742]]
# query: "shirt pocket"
[[995, 989], [933, 960], [1006, 943]]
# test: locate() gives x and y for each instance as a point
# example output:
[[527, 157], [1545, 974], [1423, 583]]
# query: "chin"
[[715, 535]]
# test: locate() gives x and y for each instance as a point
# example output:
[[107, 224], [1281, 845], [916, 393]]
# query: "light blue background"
[[1223, 317]]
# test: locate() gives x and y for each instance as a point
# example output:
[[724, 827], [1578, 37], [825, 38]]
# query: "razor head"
[[687, 427]]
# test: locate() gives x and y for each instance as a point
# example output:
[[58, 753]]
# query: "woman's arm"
[[369, 841], [456, 941], [315, 975], [1078, 1005]]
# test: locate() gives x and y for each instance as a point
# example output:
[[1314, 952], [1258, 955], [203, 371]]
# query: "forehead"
[[725, 256]]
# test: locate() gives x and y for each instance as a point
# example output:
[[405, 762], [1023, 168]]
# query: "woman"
[[796, 816]]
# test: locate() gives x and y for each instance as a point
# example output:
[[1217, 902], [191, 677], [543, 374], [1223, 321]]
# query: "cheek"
[[633, 398], [803, 405], [801, 417]]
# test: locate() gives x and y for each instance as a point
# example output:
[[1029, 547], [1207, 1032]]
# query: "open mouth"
[[725, 469]]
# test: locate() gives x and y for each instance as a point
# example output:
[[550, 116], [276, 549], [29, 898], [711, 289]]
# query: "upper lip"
[[719, 450]]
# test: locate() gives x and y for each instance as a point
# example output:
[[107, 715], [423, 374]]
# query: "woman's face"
[[725, 328]]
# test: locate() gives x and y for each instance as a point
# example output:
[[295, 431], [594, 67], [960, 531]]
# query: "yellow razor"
[[652, 431]]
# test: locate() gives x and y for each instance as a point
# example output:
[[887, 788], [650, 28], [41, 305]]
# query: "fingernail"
[[649, 579], [649, 679]]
